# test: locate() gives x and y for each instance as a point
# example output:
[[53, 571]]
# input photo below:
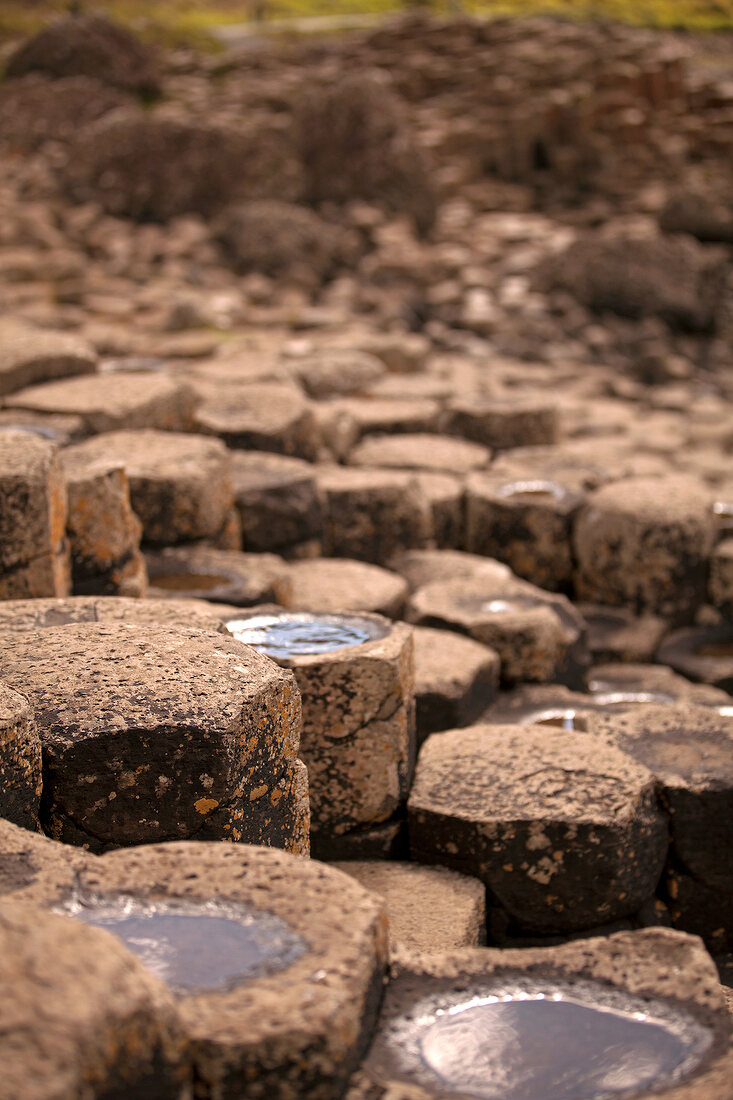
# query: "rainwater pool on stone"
[[195, 947], [552, 1045], [303, 635]]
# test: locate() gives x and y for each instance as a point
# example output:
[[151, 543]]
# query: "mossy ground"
[[178, 20]]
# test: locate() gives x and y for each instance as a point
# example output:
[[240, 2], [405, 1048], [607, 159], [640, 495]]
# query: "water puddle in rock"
[[571, 1043], [531, 492], [189, 582], [509, 605], [195, 947], [304, 635]]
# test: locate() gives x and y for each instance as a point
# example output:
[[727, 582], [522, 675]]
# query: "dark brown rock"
[[337, 584], [501, 424], [106, 402], [456, 679], [222, 576], [109, 1028], [29, 357], [656, 973], [151, 733], [180, 484], [34, 558], [355, 143], [92, 46], [276, 499], [299, 1026], [701, 653], [643, 543], [564, 829], [20, 760]]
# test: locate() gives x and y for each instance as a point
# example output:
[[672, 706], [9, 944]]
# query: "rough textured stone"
[[260, 417], [430, 909], [355, 143], [644, 543], [537, 635], [20, 760], [36, 109], [34, 558], [629, 970], [502, 424], [720, 584], [421, 567], [701, 653], [337, 372], [420, 451], [17, 616], [616, 634], [284, 241], [222, 576], [358, 738], [81, 1016], [106, 402], [88, 45], [152, 734], [689, 750], [674, 279], [35, 870], [297, 1031], [104, 532], [180, 484], [525, 522], [455, 679], [29, 357], [655, 680], [276, 499], [563, 828], [337, 584], [371, 514]]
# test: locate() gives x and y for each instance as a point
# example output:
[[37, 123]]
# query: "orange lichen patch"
[[258, 792], [206, 805]]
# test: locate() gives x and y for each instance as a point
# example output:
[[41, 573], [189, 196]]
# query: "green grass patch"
[[172, 21]]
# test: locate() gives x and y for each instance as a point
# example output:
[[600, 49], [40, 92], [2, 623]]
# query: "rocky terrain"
[[366, 492]]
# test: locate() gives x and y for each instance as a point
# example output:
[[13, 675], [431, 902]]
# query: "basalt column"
[[355, 674], [160, 733]]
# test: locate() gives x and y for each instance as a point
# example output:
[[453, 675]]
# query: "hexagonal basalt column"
[[17, 616], [106, 402], [689, 750], [180, 484], [81, 1016], [34, 558], [644, 543], [526, 522], [104, 532], [277, 962], [355, 674], [538, 636], [153, 733], [338, 584], [563, 828], [371, 514], [20, 760], [635, 1014]]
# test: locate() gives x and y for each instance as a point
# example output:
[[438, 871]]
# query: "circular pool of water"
[[195, 947], [302, 634], [542, 1042]]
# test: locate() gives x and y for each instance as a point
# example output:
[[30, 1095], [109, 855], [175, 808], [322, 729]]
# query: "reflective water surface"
[[525, 1038], [296, 634], [196, 947], [545, 1049]]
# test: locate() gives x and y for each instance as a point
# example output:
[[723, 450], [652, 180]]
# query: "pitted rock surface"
[[563, 828], [20, 760], [297, 1031], [180, 484], [151, 733], [17, 616], [109, 1028]]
